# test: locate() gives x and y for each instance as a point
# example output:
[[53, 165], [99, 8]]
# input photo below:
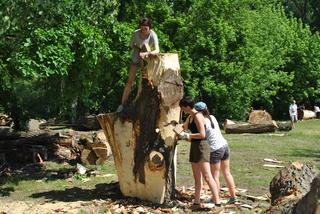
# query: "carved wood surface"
[[141, 136]]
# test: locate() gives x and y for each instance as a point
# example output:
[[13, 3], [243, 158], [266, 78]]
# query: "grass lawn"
[[60, 183], [248, 151]]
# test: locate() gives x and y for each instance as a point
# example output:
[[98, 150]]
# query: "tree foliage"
[[66, 58]]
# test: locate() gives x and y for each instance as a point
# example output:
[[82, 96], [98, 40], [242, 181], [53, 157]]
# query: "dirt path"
[[27, 207]]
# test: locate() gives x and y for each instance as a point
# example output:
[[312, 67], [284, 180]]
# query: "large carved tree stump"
[[296, 189], [141, 136]]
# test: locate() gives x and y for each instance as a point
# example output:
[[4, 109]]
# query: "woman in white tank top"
[[219, 156]]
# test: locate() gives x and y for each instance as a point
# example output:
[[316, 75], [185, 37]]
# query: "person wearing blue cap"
[[219, 156], [199, 155]]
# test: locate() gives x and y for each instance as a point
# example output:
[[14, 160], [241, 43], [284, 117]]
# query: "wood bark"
[[141, 137], [304, 114], [295, 189], [239, 128]]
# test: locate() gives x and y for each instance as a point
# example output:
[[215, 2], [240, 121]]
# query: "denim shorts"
[[220, 154]]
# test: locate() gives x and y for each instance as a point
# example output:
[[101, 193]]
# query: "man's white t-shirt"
[[293, 110]]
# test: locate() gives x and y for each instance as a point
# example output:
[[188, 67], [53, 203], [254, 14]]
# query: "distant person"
[[199, 151], [317, 111], [293, 112], [220, 152], [144, 43]]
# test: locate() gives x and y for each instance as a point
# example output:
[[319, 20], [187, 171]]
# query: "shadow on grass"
[[35, 172], [101, 191], [31, 172]]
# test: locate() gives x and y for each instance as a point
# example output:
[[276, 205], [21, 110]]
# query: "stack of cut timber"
[[95, 151], [42, 145]]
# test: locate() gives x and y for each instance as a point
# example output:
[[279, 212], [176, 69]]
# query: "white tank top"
[[214, 135]]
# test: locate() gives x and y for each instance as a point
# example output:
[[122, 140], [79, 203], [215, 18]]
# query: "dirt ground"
[[117, 203], [15, 207]]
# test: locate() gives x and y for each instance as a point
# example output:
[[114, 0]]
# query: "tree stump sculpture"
[[141, 136]]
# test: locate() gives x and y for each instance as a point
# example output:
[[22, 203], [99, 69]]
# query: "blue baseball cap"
[[200, 106]]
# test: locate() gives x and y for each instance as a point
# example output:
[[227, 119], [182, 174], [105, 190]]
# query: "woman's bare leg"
[[127, 88], [225, 168], [206, 173], [196, 170], [215, 171]]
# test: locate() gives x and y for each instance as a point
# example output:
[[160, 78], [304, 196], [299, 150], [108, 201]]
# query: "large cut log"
[[239, 128], [259, 116], [141, 137], [304, 114], [295, 189]]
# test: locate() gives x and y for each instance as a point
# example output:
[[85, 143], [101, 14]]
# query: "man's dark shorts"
[[219, 155]]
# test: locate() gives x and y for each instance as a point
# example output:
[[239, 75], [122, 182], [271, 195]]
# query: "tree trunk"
[[239, 128], [296, 189], [306, 114], [141, 137]]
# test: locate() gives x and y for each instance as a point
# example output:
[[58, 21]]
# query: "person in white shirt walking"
[[293, 112]]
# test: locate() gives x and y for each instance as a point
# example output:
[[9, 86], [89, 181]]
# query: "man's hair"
[[145, 22]]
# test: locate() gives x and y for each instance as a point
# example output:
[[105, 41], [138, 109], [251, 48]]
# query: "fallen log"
[[304, 114], [141, 137], [284, 125], [250, 128], [295, 189], [259, 116]]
